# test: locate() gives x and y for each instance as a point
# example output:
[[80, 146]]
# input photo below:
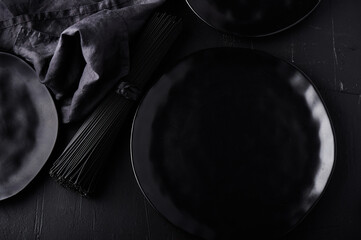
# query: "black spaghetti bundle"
[[82, 160]]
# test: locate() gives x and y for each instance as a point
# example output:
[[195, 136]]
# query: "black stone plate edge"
[[334, 142], [254, 36]]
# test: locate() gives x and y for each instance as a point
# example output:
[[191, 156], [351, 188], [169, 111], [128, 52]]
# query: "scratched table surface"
[[326, 46]]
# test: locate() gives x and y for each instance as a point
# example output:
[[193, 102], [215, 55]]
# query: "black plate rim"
[[262, 52], [255, 35], [54, 120]]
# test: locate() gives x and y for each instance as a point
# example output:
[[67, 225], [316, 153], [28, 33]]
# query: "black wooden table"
[[326, 46]]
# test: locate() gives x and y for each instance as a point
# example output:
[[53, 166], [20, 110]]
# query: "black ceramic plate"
[[28, 125], [252, 17], [232, 142]]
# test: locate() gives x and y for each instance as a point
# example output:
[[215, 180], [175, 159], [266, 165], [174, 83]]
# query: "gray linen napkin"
[[80, 49]]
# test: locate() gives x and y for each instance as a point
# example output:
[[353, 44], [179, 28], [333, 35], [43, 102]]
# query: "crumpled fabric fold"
[[79, 53]]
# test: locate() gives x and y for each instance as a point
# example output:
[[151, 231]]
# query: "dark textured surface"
[[326, 46]]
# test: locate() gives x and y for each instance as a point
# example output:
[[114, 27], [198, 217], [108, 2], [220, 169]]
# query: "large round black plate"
[[28, 125], [233, 142], [252, 17]]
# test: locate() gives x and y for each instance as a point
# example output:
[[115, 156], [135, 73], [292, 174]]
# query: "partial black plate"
[[252, 17], [28, 125], [233, 142]]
